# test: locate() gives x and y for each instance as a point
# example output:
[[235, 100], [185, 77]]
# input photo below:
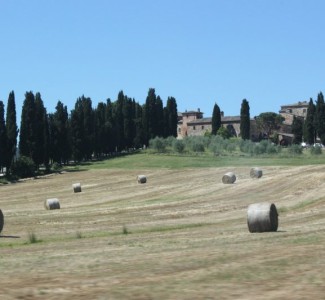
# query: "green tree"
[[149, 117], [216, 119], [297, 129], [12, 131], [3, 138], [224, 133], [28, 127], [320, 117], [100, 130], [269, 122], [245, 120], [309, 124], [171, 117]]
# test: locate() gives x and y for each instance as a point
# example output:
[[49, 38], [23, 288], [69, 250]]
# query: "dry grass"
[[187, 236]]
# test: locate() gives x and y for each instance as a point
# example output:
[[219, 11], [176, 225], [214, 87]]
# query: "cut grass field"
[[181, 235]]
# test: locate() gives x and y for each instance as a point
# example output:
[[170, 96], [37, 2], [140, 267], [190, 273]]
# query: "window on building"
[[202, 127], [193, 127]]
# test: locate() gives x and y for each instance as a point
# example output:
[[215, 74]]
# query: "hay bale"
[[256, 173], [229, 177], [142, 179], [262, 217], [52, 204], [1, 220], [76, 187]]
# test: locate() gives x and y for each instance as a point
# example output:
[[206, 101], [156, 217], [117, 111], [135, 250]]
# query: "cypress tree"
[[245, 120], [320, 117], [297, 129], [28, 127], [3, 138], [216, 119], [100, 129], [309, 124], [40, 151], [149, 117], [12, 131], [159, 118], [171, 117]]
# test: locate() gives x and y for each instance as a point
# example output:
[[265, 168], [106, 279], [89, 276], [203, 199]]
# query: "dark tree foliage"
[[216, 119], [245, 120], [100, 132], [269, 122], [40, 153], [59, 134], [139, 139], [309, 125], [3, 138], [128, 120], [320, 117], [171, 117], [119, 121], [28, 127], [12, 131], [149, 116], [111, 141], [297, 129], [82, 129], [159, 117]]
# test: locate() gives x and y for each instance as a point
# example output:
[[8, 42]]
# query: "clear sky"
[[202, 52]]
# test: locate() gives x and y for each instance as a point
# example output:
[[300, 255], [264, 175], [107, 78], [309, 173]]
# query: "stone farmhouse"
[[192, 123]]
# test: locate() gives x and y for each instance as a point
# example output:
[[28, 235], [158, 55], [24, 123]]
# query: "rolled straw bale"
[[256, 173], [229, 177], [1, 220], [262, 217], [52, 204], [142, 179], [76, 187]]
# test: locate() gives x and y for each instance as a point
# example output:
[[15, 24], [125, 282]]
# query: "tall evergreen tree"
[[309, 124], [216, 119], [111, 141], [128, 120], [320, 117], [119, 120], [3, 138], [139, 139], [159, 118], [149, 116], [297, 129], [245, 120], [100, 144], [41, 130], [12, 131], [28, 127], [171, 117]]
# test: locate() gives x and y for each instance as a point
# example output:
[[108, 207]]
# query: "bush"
[[24, 167], [295, 149], [316, 150], [158, 144], [179, 146]]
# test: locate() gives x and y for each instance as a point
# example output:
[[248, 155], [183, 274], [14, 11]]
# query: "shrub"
[[179, 146], [316, 150], [295, 149], [24, 167], [158, 144]]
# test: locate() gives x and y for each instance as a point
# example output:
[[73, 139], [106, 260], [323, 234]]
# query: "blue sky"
[[201, 52]]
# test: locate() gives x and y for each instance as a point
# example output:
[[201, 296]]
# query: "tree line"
[[59, 137]]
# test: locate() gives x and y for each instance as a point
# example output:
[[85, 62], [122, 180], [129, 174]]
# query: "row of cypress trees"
[[85, 131]]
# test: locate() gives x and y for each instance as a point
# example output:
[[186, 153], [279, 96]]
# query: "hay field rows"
[[182, 235]]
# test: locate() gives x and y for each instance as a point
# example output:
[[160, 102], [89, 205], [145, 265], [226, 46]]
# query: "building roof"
[[202, 121], [298, 104]]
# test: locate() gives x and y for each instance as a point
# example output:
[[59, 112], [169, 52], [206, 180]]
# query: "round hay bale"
[[229, 177], [76, 187], [52, 204], [262, 217], [1, 220], [142, 179], [256, 173]]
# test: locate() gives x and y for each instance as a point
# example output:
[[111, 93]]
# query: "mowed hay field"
[[181, 235]]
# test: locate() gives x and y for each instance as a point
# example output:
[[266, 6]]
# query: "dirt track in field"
[[187, 236]]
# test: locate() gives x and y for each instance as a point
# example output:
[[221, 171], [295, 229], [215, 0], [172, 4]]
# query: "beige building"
[[298, 109], [192, 123]]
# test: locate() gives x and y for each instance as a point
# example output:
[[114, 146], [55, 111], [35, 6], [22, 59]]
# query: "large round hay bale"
[[256, 173], [229, 177], [52, 204], [262, 217], [76, 187], [1, 220], [142, 179]]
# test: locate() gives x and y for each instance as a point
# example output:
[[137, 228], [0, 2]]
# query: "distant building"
[[192, 123]]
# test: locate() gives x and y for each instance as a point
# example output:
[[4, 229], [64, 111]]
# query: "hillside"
[[182, 235]]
